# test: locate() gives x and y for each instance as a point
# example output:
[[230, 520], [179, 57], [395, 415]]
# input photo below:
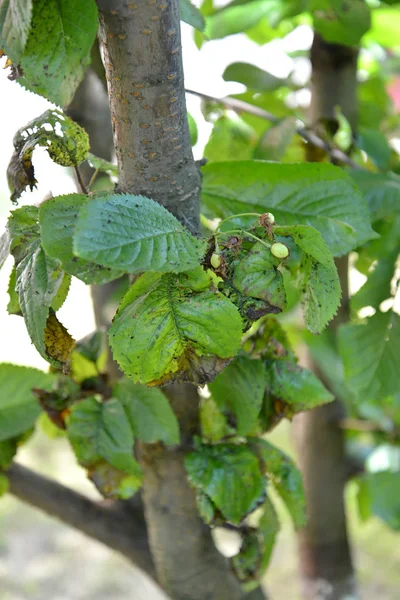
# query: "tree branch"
[[239, 106], [122, 529]]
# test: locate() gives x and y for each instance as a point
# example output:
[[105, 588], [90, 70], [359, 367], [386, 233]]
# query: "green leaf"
[[8, 449], [65, 141], [165, 331], [253, 77], [296, 386], [4, 484], [102, 165], [375, 144], [19, 408], [240, 388], [269, 528], [58, 217], [234, 18], [58, 48], [256, 275], [149, 413], [340, 21], [381, 191], [385, 26], [193, 131], [370, 352], [4, 247], [191, 15], [383, 489], [229, 475], [13, 307], [319, 195], [377, 288], [286, 478], [62, 293], [135, 234], [231, 139], [214, 425], [100, 431], [15, 22]]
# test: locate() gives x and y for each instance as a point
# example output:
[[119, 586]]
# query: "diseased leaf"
[[240, 389], [15, 21], [134, 234], [257, 276], [165, 331], [148, 411], [19, 408], [319, 195], [370, 353], [253, 77], [229, 475], [58, 217], [58, 48], [285, 476], [296, 386], [101, 433], [113, 483], [191, 15], [65, 141], [59, 344]]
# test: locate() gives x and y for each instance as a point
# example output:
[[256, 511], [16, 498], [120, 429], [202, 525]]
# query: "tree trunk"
[[325, 557], [143, 63]]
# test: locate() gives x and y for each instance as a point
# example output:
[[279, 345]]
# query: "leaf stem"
[[80, 181], [243, 231], [248, 214]]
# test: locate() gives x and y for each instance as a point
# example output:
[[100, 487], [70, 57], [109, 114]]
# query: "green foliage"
[[65, 141], [234, 18], [191, 15], [101, 433], [381, 191], [230, 139], [379, 494], [253, 77], [57, 51], [4, 484], [19, 408], [15, 21], [341, 22], [275, 142], [102, 165], [229, 475], [370, 353], [167, 329], [144, 236], [239, 388], [375, 144], [58, 217], [319, 195], [149, 413], [378, 287]]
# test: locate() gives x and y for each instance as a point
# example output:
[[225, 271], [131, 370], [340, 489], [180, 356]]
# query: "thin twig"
[[80, 181], [239, 106]]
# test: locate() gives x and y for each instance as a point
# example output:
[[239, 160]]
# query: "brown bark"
[[143, 62], [325, 557]]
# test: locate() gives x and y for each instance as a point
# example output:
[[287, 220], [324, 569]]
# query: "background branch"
[[239, 106]]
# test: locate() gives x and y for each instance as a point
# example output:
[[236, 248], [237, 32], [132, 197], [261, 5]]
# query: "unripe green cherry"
[[215, 260], [279, 250], [270, 217]]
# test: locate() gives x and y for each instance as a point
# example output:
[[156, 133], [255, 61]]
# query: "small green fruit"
[[215, 260], [279, 250], [270, 217]]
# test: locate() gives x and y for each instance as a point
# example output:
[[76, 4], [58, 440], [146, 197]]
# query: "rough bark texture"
[[325, 558], [143, 62]]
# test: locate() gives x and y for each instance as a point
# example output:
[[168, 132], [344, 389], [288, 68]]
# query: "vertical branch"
[[143, 63], [325, 557]]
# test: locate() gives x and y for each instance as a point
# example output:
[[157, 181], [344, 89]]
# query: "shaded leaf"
[[370, 352], [19, 408], [253, 77], [65, 141], [383, 489], [286, 478], [214, 424], [165, 331], [377, 288], [231, 139], [375, 144], [296, 386], [275, 141], [8, 449], [100, 164], [240, 388], [134, 234], [381, 191], [58, 48], [191, 15], [149, 413], [58, 217], [340, 21], [319, 195], [193, 131], [229, 475]]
